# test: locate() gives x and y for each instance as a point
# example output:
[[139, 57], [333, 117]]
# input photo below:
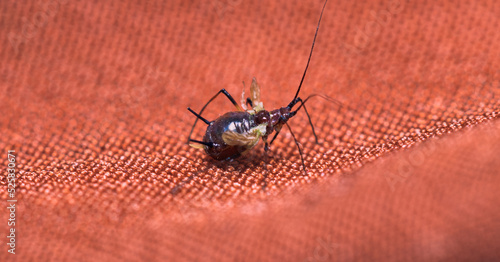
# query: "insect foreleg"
[[275, 135], [298, 146], [302, 104]]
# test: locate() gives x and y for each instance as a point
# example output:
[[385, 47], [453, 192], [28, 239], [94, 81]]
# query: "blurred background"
[[93, 99]]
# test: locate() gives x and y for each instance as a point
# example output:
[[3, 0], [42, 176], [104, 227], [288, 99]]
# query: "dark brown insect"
[[234, 133]]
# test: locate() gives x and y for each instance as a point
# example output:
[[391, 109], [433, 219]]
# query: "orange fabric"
[[94, 97]]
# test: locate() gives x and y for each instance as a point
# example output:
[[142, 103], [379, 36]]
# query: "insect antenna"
[[295, 100], [327, 98], [308, 60]]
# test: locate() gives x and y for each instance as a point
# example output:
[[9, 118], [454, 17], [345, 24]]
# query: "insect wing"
[[237, 139], [255, 96]]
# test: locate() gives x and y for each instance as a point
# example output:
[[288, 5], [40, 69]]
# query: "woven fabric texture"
[[93, 98]]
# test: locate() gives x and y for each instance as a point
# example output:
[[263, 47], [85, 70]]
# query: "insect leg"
[[209, 101], [298, 146], [198, 116], [228, 97], [209, 144], [275, 135], [266, 172], [302, 104], [266, 145]]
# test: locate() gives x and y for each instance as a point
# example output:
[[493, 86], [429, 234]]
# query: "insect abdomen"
[[238, 122]]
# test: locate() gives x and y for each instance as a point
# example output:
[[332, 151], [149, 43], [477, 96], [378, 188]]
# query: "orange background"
[[94, 95]]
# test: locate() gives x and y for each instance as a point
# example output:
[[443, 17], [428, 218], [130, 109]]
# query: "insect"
[[235, 133]]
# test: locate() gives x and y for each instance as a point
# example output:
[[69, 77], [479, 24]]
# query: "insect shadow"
[[254, 164]]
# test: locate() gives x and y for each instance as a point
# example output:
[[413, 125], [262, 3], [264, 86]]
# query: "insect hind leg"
[[201, 143], [205, 106]]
